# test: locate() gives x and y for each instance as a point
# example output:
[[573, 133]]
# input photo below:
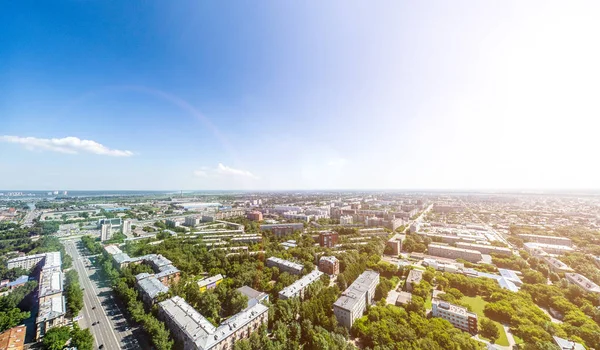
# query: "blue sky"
[[299, 95]]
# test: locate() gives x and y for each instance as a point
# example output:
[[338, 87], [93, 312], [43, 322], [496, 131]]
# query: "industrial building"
[[195, 332], [459, 316], [285, 265], [354, 300], [454, 253], [329, 265], [297, 288]]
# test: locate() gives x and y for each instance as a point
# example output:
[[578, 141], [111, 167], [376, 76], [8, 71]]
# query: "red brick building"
[[254, 216], [328, 239], [329, 265]]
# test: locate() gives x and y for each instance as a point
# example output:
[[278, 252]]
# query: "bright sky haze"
[[274, 95]]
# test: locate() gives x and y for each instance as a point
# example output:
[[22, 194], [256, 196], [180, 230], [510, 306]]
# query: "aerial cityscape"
[[335, 175]]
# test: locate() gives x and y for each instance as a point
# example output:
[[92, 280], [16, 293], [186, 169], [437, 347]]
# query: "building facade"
[[485, 249], [328, 239], [329, 265], [454, 253], [395, 244], [280, 230], [254, 216]]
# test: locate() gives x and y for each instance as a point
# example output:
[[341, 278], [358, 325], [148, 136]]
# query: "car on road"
[[101, 346]]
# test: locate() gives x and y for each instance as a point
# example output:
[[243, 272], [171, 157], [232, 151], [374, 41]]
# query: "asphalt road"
[[112, 331]]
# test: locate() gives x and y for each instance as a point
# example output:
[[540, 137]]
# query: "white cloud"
[[69, 145], [223, 170]]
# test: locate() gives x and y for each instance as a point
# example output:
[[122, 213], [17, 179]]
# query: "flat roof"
[[353, 294], [287, 263], [300, 284], [209, 280]]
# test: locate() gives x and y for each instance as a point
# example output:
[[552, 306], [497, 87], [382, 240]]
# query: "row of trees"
[[73, 293]]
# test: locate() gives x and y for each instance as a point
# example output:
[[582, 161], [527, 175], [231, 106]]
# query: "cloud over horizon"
[[224, 170], [68, 145]]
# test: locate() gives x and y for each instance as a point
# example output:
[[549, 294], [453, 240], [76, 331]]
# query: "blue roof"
[[20, 280]]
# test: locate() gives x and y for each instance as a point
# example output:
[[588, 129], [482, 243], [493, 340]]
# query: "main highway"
[[100, 312]]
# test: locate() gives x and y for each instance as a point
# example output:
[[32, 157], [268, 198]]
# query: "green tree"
[[82, 339], [56, 338], [488, 329]]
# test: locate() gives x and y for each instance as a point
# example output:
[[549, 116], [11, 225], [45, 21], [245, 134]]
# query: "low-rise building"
[[150, 287], [329, 265], [565, 344], [13, 338], [414, 277], [280, 230], [195, 332], [485, 248], [556, 265], [210, 282], [297, 288], [254, 296], [285, 265], [554, 240], [459, 316], [395, 244], [354, 300], [454, 253], [583, 282]]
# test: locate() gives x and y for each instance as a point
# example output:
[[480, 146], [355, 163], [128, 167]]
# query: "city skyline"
[[312, 96]]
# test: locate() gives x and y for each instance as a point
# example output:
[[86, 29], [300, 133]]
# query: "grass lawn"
[[477, 304], [428, 303]]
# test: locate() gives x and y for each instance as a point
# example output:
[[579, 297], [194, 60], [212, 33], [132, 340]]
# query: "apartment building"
[[454, 253], [485, 248], [126, 227], [210, 282], [539, 249], [280, 230], [583, 282], [547, 239], [26, 262], [459, 316], [195, 332], [105, 232], [354, 300], [328, 239], [346, 220], [191, 221], [52, 307], [150, 287], [297, 288], [329, 265], [395, 244], [285, 265], [254, 216]]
